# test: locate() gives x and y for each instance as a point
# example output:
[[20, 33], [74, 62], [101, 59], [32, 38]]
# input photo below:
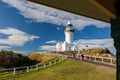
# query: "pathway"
[[96, 63]]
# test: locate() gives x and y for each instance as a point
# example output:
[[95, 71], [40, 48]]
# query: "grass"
[[66, 70]]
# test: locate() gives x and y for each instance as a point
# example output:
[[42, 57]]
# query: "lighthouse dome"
[[69, 23], [69, 27]]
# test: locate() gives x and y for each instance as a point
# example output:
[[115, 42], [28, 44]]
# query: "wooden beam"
[[106, 7], [97, 9]]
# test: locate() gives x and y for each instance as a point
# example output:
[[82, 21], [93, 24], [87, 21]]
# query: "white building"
[[67, 45]]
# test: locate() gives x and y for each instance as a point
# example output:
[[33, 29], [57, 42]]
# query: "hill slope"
[[97, 52], [68, 70]]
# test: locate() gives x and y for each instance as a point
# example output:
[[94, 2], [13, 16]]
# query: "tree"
[[12, 59]]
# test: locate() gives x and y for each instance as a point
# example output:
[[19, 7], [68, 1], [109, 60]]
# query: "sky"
[[27, 27]]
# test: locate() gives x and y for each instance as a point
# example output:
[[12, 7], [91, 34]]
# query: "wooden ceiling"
[[98, 9]]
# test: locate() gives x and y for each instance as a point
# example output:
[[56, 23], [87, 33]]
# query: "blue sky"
[[27, 27]]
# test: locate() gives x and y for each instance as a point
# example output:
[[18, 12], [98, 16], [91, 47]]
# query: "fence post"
[[50, 64], [59, 60], [55, 61], [36, 67], [44, 65], [89, 58], [27, 69], [95, 59], [14, 70], [111, 61], [102, 59]]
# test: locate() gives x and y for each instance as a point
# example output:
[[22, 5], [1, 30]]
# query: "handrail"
[[100, 57], [103, 59]]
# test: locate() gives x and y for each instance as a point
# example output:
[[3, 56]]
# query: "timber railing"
[[16, 70], [107, 60]]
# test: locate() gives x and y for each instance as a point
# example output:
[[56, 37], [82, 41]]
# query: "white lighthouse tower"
[[69, 33], [67, 45]]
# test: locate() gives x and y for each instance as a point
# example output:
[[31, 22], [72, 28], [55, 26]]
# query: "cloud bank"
[[47, 48], [40, 13], [52, 42], [95, 43], [15, 37], [81, 43], [4, 47]]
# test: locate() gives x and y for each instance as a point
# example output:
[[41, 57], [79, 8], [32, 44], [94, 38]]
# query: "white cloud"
[[16, 37], [40, 13], [24, 52], [82, 43], [4, 47], [47, 48], [52, 42], [95, 43]]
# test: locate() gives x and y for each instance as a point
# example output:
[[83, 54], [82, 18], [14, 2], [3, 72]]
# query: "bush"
[[12, 59], [42, 58]]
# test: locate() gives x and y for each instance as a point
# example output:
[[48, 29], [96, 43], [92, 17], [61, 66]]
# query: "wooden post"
[[102, 59], [59, 60], [95, 59], [115, 33], [27, 69], [14, 71], [55, 61], [89, 58], [111, 61], [36, 67], [44, 65], [50, 64]]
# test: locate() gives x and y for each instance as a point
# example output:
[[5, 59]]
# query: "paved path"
[[96, 63]]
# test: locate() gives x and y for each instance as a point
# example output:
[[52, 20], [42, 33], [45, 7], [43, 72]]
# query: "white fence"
[[107, 60], [48, 64], [99, 59], [36, 67]]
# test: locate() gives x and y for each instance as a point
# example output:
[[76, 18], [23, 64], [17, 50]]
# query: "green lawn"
[[67, 70]]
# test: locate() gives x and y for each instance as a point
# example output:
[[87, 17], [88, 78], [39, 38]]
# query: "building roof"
[[98, 9]]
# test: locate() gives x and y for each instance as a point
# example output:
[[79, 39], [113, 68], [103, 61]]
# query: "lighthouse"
[[67, 45], [69, 33]]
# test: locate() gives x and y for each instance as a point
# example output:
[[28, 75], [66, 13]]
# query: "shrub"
[[42, 58], [12, 59]]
